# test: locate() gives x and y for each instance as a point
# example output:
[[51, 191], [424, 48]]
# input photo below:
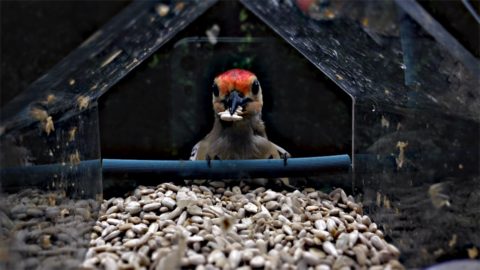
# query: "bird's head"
[[237, 95]]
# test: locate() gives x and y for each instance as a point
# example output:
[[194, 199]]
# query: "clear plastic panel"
[[418, 175], [51, 189], [291, 103]]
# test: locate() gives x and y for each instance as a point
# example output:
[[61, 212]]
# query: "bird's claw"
[[209, 161], [285, 158]]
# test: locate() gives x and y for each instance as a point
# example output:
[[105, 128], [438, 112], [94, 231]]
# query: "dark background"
[[35, 35]]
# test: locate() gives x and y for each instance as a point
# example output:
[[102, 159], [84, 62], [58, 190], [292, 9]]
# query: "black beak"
[[233, 101]]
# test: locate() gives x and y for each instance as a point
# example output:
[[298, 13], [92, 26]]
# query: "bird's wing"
[[199, 151], [194, 153], [281, 151]]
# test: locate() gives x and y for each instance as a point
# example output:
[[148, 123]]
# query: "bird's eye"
[[255, 87], [215, 90]]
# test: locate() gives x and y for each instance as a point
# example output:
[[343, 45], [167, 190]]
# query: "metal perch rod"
[[200, 169]]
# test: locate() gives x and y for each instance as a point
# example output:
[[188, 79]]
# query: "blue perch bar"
[[178, 169], [234, 169]]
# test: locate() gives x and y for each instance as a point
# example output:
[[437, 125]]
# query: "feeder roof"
[[391, 53]]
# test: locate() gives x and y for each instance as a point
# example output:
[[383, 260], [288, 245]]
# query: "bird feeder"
[[380, 92]]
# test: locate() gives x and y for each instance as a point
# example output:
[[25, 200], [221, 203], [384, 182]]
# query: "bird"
[[238, 130]]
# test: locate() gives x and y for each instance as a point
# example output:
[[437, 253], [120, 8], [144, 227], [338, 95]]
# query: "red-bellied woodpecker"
[[238, 131]]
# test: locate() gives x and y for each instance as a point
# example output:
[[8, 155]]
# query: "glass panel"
[[51, 190], [290, 104]]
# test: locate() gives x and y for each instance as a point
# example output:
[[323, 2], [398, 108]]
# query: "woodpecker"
[[238, 131]]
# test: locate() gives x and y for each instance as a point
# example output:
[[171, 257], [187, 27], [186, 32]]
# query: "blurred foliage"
[[245, 63], [154, 61], [243, 16]]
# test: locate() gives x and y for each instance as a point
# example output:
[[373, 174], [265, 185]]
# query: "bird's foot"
[[285, 158], [209, 161]]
